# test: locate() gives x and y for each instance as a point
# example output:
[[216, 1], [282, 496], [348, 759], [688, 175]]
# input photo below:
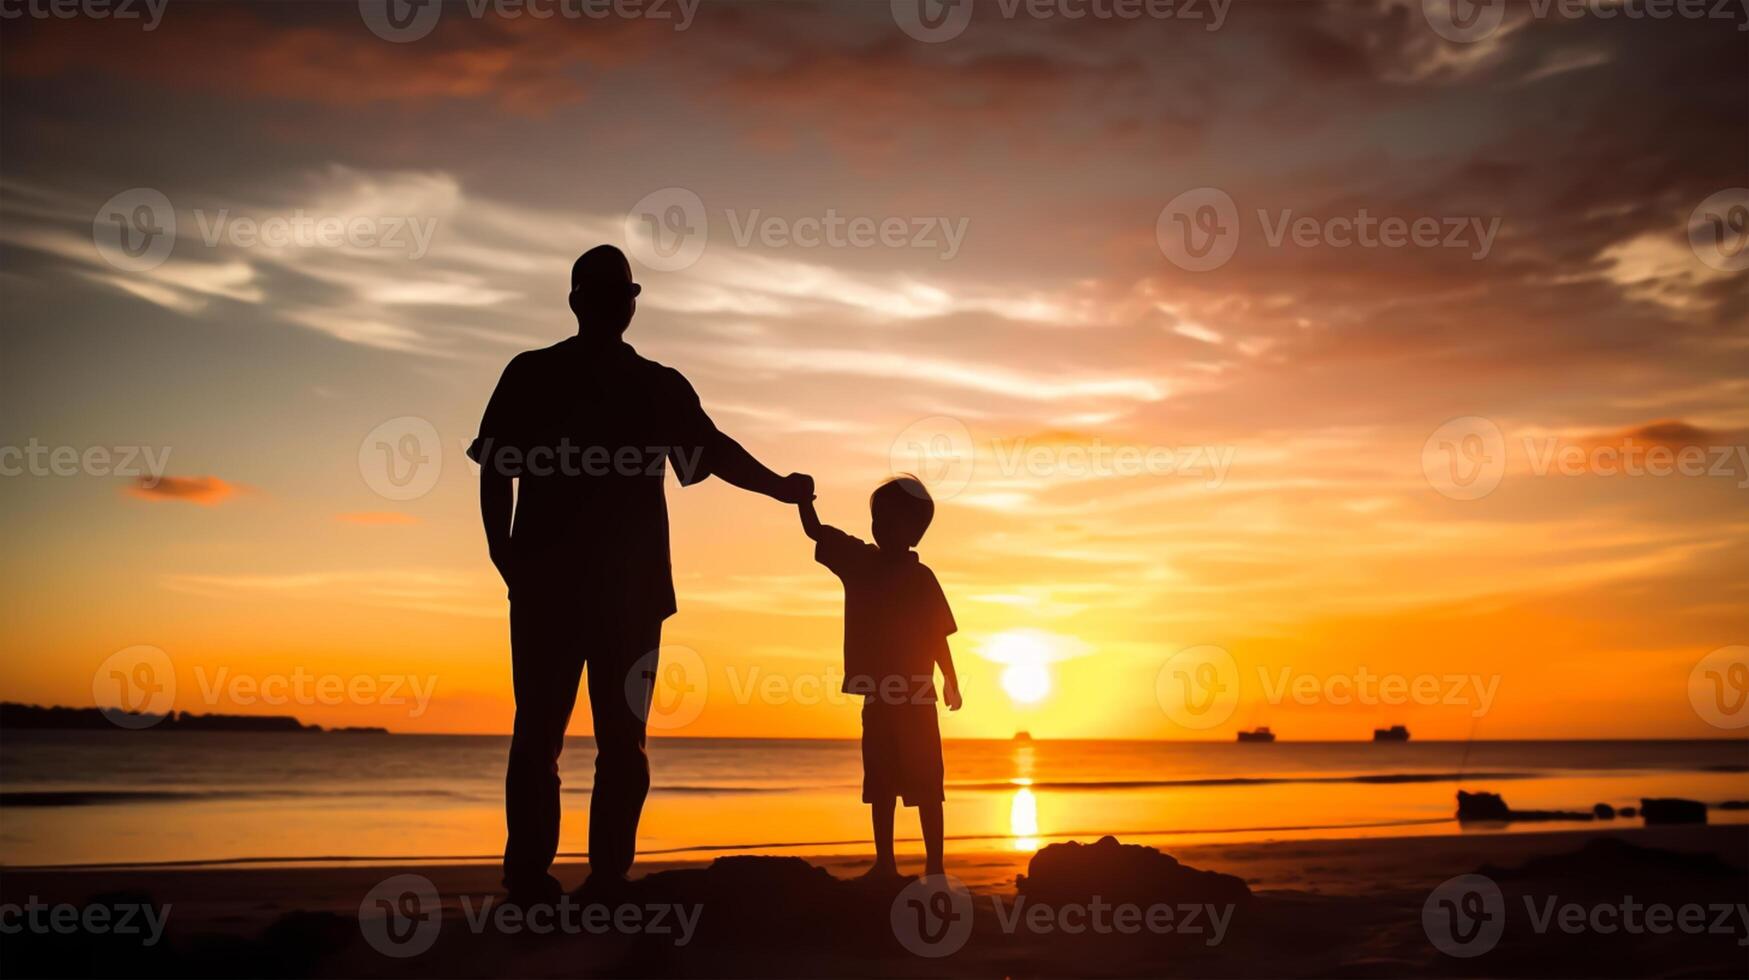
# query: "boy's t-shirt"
[[896, 618]]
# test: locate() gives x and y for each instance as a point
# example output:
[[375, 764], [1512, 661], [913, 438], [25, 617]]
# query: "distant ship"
[[1260, 734], [1395, 733]]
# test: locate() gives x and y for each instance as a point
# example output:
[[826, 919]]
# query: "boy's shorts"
[[901, 753]]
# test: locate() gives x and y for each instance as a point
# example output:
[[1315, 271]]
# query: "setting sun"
[[1027, 679], [1027, 683]]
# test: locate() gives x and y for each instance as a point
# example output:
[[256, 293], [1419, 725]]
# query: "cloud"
[[1666, 433], [323, 55], [207, 491], [991, 379]]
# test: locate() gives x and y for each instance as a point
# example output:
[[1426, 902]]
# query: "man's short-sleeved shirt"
[[896, 618], [589, 431]]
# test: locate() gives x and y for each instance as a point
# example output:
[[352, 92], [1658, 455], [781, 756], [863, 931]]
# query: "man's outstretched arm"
[[497, 494], [736, 466]]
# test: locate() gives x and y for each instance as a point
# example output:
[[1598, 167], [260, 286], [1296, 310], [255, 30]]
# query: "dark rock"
[[1475, 807], [1673, 811], [1061, 874], [1491, 808], [1629, 812], [1603, 811], [1734, 805]]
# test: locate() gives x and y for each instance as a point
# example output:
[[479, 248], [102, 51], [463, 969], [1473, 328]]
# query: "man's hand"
[[796, 488], [951, 692]]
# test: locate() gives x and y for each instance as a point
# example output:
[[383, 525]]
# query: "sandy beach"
[[1316, 908]]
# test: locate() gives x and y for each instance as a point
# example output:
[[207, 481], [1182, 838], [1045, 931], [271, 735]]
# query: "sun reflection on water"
[[1023, 812], [1023, 820]]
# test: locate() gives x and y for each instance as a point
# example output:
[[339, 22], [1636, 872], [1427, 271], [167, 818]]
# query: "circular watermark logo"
[[135, 230], [938, 451], [932, 21], [1464, 21], [401, 458], [1198, 231], [1465, 458], [400, 21], [932, 916], [1198, 687], [668, 229], [401, 916], [667, 687], [1718, 230], [1464, 916], [135, 687], [1718, 687]]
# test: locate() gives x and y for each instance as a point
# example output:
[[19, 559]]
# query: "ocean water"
[[138, 797]]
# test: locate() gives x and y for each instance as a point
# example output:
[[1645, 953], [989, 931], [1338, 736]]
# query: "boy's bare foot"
[[932, 870]]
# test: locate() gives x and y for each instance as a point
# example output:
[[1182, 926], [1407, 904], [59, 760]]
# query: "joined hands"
[[797, 488]]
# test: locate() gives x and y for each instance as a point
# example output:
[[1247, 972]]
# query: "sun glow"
[[1027, 654], [1027, 683]]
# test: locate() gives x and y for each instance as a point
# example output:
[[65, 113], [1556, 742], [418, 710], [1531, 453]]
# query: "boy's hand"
[[951, 692]]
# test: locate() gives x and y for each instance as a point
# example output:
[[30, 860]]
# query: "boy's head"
[[902, 510]]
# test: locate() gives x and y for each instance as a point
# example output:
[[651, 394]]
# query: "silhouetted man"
[[587, 429]]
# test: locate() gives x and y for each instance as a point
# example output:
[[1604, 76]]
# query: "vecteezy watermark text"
[[667, 230], [404, 21], [934, 21], [1466, 458], [302, 687], [1466, 916], [402, 916], [144, 463], [1200, 230], [150, 11], [833, 230], [136, 230], [94, 919], [1100, 459], [566, 458], [301, 229], [1469, 21], [1200, 687], [136, 687], [1120, 918]]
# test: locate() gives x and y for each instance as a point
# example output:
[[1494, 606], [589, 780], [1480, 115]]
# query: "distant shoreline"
[[36, 717]]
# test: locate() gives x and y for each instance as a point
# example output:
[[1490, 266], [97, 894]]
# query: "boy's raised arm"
[[810, 519]]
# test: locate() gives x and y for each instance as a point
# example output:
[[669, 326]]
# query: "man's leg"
[[622, 682], [545, 665]]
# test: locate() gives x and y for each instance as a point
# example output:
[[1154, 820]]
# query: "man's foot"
[[882, 871], [932, 870], [601, 888], [544, 890]]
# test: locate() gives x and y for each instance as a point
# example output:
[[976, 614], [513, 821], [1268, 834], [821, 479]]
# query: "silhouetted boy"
[[896, 624]]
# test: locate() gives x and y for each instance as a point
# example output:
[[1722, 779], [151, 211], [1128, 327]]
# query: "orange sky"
[[1132, 458]]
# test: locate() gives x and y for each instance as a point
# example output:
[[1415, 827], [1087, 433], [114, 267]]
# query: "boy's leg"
[[929, 815], [882, 811]]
